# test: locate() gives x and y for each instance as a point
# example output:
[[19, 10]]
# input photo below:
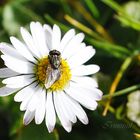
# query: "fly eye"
[[54, 52]]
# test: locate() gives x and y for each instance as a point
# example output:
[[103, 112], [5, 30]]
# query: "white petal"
[[82, 97], [18, 81], [6, 72], [50, 113], [18, 65], [83, 56], [47, 27], [85, 70], [24, 93], [5, 91], [64, 121], [34, 102], [92, 92], [85, 81], [40, 110], [28, 117], [77, 110], [48, 36], [38, 35], [67, 107], [73, 46], [25, 102], [27, 97], [56, 36], [67, 55], [22, 49], [66, 39], [29, 42], [9, 50]]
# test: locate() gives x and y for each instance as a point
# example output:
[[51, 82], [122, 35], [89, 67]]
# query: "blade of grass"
[[92, 8], [122, 15], [116, 81], [115, 50], [82, 27], [111, 109], [137, 135], [114, 5], [87, 16], [123, 91], [65, 6], [28, 12], [52, 21]]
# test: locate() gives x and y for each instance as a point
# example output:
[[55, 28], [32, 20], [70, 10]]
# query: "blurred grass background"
[[113, 28]]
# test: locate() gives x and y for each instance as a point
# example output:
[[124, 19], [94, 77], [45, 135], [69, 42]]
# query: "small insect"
[[53, 71]]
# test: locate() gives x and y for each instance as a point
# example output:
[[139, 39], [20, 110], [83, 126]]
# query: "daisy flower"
[[48, 74], [133, 107]]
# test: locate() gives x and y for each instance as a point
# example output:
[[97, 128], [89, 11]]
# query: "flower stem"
[[116, 81], [123, 91]]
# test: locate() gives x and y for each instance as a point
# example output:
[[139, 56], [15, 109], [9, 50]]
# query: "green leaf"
[[36, 132], [112, 49]]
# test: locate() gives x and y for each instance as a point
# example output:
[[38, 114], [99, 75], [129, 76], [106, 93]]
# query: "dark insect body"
[[53, 71]]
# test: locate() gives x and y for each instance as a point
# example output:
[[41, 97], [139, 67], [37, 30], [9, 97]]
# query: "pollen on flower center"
[[41, 74]]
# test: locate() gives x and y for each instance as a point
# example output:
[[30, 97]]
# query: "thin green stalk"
[[116, 81], [123, 91]]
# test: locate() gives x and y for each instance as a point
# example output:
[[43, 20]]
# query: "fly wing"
[[52, 75]]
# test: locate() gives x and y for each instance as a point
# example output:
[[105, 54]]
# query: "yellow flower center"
[[41, 74]]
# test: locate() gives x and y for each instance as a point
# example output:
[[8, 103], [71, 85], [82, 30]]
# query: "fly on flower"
[[48, 75], [53, 71]]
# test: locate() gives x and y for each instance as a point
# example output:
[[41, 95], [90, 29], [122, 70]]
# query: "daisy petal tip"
[[22, 108], [68, 128], [33, 22], [16, 98], [83, 35], [100, 93], [37, 121], [92, 49], [13, 39], [3, 57], [50, 128], [2, 45], [97, 68], [22, 30], [73, 31], [75, 120], [3, 81], [25, 122], [85, 121], [56, 28]]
